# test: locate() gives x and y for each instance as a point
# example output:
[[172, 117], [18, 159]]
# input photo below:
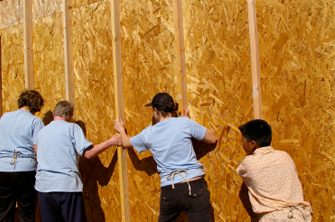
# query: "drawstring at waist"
[[14, 160], [18, 154], [171, 176]]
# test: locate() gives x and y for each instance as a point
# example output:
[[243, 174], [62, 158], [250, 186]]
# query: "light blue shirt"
[[57, 144], [170, 144], [18, 133]]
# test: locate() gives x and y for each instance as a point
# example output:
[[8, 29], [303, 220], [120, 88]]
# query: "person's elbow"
[[126, 144], [88, 154], [210, 137]]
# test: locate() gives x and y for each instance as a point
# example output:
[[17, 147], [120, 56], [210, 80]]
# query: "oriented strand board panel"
[[42, 8], [220, 93], [149, 67], [48, 53], [94, 92], [12, 66], [11, 13], [79, 3], [296, 40]]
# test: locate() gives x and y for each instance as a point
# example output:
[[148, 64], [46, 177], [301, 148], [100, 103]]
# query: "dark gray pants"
[[17, 187], [197, 205]]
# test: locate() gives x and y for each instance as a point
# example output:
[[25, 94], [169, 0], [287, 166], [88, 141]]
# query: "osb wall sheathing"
[[11, 13], [42, 8], [220, 93], [94, 91], [12, 66], [296, 43], [79, 3], [49, 78], [149, 67]]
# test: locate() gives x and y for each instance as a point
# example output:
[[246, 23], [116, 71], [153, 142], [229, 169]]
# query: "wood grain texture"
[[49, 68], [296, 41], [296, 46], [12, 66]]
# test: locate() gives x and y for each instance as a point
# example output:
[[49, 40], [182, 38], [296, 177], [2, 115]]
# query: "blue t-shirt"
[[57, 144], [18, 132], [170, 144]]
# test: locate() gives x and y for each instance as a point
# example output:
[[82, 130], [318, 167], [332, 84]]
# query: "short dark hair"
[[32, 99], [64, 109], [164, 103], [258, 130]]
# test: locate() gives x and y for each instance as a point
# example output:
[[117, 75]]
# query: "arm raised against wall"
[[95, 150], [119, 127]]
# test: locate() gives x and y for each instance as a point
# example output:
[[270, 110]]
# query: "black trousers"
[[62, 206], [197, 205], [17, 187]]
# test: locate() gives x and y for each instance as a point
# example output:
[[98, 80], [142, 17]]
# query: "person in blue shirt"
[[18, 135], [57, 179], [183, 187]]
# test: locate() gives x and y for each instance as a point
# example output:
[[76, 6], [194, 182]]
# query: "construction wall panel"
[[79, 3], [11, 13], [94, 92], [219, 93], [43, 8], [296, 44], [296, 41], [149, 67], [48, 52], [12, 66]]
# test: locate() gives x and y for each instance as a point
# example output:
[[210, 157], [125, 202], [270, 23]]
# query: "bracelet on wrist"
[[108, 143]]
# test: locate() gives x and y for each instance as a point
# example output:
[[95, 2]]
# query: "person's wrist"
[[109, 145]]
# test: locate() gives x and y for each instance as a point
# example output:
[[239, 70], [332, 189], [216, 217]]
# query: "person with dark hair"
[[274, 189], [18, 136], [183, 187], [57, 179]]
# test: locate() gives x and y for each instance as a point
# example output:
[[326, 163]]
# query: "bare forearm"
[[125, 139], [95, 150]]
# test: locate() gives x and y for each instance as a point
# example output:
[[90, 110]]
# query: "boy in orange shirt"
[[274, 188]]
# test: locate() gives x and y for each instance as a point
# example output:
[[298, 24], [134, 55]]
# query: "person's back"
[[182, 178], [170, 144], [18, 136], [57, 169], [275, 191], [16, 130], [57, 179]]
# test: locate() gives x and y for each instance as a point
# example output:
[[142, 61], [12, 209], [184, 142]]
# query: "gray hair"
[[64, 109]]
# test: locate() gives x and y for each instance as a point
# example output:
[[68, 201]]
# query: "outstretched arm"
[[210, 137], [119, 127], [95, 150]]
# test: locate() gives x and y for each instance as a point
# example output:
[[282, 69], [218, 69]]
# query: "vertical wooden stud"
[[28, 44], [256, 83], [180, 52], [68, 51], [119, 108]]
